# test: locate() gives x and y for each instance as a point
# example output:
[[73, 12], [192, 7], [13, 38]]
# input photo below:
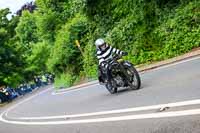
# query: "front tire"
[[111, 87], [133, 77]]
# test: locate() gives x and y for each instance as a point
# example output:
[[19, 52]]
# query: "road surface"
[[168, 102]]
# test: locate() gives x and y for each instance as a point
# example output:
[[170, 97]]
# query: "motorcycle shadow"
[[127, 89], [123, 90]]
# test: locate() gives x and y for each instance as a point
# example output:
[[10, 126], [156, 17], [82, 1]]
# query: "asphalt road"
[[168, 102]]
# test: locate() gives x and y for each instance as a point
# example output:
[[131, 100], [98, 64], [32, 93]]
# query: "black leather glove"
[[124, 53]]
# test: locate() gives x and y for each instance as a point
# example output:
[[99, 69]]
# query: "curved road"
[[168, 102]]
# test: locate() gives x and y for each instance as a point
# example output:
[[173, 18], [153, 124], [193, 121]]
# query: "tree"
[[26, 30], [36, 62], [65, 56], [10, 59]]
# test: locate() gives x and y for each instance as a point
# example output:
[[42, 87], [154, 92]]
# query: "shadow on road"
[[123, 90]]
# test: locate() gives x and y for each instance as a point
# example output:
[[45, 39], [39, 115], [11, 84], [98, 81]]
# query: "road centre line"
[[111, 119], [176, 104]]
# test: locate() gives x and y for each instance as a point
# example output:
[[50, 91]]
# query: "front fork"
[[127, 76]]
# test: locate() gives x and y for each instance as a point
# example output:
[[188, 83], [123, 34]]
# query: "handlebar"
[[114, 58]]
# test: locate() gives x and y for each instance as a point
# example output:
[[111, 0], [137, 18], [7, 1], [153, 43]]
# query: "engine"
[[119, 81]]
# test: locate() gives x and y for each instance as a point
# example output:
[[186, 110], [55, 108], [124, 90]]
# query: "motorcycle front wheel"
[[110, 86], [134, 78]]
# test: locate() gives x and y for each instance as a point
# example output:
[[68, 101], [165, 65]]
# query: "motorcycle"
[[123, 74]]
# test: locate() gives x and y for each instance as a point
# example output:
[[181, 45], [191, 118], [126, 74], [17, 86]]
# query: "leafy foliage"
[[38, 58], [180, 32], [149, 30], [26, 29], [10, 60]]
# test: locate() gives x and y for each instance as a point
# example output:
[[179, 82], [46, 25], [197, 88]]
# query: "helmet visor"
[[103, 46]]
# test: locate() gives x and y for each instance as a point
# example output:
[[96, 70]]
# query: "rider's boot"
[[101, 80]]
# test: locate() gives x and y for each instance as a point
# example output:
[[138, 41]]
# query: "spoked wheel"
[[134, 78], [111, 87]]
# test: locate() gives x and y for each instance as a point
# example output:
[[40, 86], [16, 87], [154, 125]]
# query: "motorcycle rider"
[[105, 52]]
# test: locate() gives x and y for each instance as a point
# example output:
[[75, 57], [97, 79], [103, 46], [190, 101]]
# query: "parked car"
[[27, 88], [12, 94], [33, 86], [24, 89], [20, 91], [3, 97]]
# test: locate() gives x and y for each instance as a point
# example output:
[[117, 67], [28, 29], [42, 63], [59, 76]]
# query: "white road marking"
[[111, 119], [72, 90], [177, 104], [12, 107], [66, 91]]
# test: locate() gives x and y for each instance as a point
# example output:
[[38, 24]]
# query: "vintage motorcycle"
[[123, 74]]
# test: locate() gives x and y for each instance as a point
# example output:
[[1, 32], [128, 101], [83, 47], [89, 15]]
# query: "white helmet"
[[99, 42]]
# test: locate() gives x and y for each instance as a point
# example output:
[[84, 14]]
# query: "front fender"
[[127, 64]]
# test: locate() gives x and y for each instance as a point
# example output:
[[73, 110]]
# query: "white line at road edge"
[[177, 104], [12, 107], [109, 119], [72, 90], [112, 119]]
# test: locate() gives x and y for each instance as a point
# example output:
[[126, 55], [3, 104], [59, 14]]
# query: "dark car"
[[23, 89], [27, 88], [12, 94], [3, 97], [20, 90], [33, 86]]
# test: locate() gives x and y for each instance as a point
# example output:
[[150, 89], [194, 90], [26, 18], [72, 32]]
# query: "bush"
[[65, 55], [90, 62], [180, 32], [64, 80]]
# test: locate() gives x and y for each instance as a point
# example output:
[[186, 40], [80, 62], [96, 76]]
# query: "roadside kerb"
[[188, 55], [142, 68], [78, 86], [2, 104]]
